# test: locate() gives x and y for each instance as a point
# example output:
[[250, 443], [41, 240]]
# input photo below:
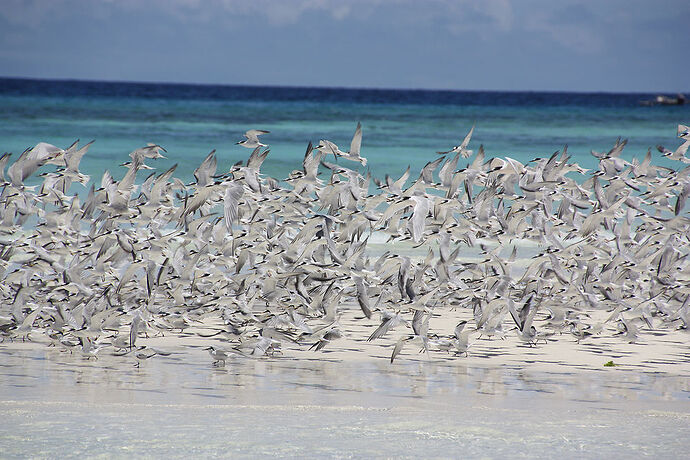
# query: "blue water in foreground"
[[400, 127]]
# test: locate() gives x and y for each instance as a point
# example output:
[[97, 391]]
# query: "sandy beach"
[[502, 400], [656, 351]]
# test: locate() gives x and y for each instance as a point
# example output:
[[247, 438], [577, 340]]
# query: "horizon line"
[[351, 88]]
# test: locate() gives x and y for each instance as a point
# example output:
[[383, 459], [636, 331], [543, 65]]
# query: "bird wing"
[[599, 193], [383, 328], [528, 312], [256, 159], [363, 297], [311, 162], [418, 219], [682, 197], [446, 171], [72, 159], [618, 148], [428, 170], [466, 142], [204, 173], [356, 141], [253, 134], [160, 182], [400, 182], [458, 330], [682, 150], [398, 347], [514, 313], [3, 162], [478, 160], [233, 193]]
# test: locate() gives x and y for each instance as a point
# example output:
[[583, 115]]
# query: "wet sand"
[[502, 400]]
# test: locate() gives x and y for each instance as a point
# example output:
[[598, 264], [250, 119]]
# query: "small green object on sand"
[[610, 364]]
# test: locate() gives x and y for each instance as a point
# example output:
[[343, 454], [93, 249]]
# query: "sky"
[[539, 45]]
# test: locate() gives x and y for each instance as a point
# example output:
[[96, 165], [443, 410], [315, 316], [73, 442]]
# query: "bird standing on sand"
[[462, 336], [219, 356]]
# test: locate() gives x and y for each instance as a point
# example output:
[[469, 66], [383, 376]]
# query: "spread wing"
[[466, 141], [356, 141], [256, 159], [253, 134], [233, 193]]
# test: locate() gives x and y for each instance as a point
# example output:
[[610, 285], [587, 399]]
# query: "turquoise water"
[[400, 128]]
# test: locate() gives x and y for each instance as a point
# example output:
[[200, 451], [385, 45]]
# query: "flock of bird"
[[267, 262]]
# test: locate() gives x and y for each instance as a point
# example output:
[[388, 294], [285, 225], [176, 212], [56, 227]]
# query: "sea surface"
[[400, 127]]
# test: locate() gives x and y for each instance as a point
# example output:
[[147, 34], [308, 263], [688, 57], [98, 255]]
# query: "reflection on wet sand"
[[180, 405], [186, 376]]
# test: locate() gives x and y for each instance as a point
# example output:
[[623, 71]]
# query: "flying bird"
[[252, 140]]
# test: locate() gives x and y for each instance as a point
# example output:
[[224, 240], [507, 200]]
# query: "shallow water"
[[179, 431], [56, 404]]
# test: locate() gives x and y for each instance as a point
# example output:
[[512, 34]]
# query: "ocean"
[[400, 127]]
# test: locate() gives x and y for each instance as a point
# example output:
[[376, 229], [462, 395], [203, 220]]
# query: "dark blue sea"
[[400, 127]]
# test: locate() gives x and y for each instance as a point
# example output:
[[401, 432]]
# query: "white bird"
[[88, 349], [332, 334], [252, 140], [389, 321], [462, 148], [679, 153], [218, 356], [142, 354], [462, 336], [525, 331], [328, 147], [399, 346], [417, 221]]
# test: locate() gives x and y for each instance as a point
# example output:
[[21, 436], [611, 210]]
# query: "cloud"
[[497, 13], [276, 12], [575, 25], [572, 26], [383, 42], [30, 13]]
